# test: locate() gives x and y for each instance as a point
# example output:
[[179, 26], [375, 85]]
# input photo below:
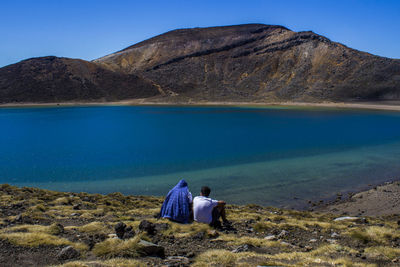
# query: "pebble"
[[313, 240], [346, 218], [334, 234], [332, 241], [270, 237]]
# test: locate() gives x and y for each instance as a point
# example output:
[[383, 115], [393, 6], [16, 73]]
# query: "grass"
[[383, 252], [258, 242], [374, 234], [93, 228], [114, 247], [116, 262], [36, 239], [184, 230]]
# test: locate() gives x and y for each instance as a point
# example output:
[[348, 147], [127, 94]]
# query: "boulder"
[[68, 253], [120, 229], [150, 249], [148, 227]]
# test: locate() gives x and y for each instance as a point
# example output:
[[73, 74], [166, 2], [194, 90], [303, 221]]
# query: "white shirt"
[[202, 209]]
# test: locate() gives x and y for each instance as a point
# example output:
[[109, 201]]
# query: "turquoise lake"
[[271, 156]]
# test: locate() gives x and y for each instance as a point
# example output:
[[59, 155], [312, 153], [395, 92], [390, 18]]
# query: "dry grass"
[[93, 228], [36, 239], [381, 252], [114, 247], [184, 230], [374, 234], [116, 262], [258, 242]]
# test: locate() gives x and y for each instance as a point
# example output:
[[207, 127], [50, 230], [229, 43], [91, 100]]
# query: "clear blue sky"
[[89, 29]]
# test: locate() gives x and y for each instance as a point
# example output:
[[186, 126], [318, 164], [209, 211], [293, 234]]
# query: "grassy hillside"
[[36, 224]]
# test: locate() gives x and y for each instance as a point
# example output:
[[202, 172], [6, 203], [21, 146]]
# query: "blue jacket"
[[176, 204]]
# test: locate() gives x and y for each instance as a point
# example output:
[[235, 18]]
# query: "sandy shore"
[[394, 106], [380, 200]]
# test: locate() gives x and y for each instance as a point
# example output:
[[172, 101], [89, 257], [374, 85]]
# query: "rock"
[[112, 236], [313, 240], [150, 249], [345, 218], [177, 261], [270, 237], [18, 218], [148, 227], [243, 248], [212, 234], [200, 235], [282, 233], [75, 214], [332, 241], [68, 253], [308, 248], [334, 234], [161, 227], [77, 206], [128, 234], [120, 229]]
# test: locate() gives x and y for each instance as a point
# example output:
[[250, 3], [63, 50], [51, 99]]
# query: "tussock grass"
[[115, 247], [93, 228], [185, 230], [258, 242], [32, 228], [116, 262], [383, 252], [38, 238], [375, 234]]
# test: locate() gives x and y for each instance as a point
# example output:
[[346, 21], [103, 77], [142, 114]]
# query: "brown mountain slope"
[[53, 79], [257, 62]]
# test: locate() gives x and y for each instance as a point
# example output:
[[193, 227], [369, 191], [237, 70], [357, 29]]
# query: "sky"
[[89, 29]]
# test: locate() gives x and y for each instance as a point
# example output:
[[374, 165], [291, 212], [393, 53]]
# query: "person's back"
[[207, 210], [176, 206], [202, 209]]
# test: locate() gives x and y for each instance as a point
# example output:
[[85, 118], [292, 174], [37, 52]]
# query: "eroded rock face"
[[248, 63], [257, 63], [53, 79]]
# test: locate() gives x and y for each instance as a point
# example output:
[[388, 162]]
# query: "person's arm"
[[221, 203]]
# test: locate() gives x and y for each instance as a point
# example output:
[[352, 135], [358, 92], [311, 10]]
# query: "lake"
[[277, 156]]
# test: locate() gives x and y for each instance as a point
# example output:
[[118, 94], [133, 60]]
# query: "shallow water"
[[271, 156]]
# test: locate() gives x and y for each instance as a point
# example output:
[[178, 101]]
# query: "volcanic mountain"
[[243, 63]]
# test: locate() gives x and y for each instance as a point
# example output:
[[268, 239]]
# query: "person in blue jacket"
[[177, 204]]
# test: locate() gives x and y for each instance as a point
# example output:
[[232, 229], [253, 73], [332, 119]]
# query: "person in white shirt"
[[208, 210]]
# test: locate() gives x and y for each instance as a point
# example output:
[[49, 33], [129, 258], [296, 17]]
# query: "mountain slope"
[[52, 79], [258, 62]]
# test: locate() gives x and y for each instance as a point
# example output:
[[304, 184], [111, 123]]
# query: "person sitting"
[[207, 210], [176, 206]]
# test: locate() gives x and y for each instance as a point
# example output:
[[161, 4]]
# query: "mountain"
[[252, 62], [53, 79]]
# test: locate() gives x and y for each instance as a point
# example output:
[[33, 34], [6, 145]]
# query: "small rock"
[[283, 233], [270, 237], [77, 206], [75, 214], [334, 234], [212, 233], [112, 236], [68, 253], [313, 240], [346, 218], [147, 227], [18, 218], [161, 227], [243, 248], [149, 249], [120, 229], [190, 254], [308, 248], [200, 235], [332, 241], [177, 261]]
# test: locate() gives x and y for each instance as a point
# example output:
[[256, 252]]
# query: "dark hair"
[[205, 191]]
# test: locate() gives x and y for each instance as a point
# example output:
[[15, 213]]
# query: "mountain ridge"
[[240, 63]]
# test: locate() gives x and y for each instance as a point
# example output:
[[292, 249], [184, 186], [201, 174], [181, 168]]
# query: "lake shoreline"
[[145, 102]]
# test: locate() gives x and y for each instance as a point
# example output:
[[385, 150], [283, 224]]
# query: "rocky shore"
[[47, 228]]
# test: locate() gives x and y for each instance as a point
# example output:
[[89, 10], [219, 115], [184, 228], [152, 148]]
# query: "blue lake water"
[[267, 156]]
